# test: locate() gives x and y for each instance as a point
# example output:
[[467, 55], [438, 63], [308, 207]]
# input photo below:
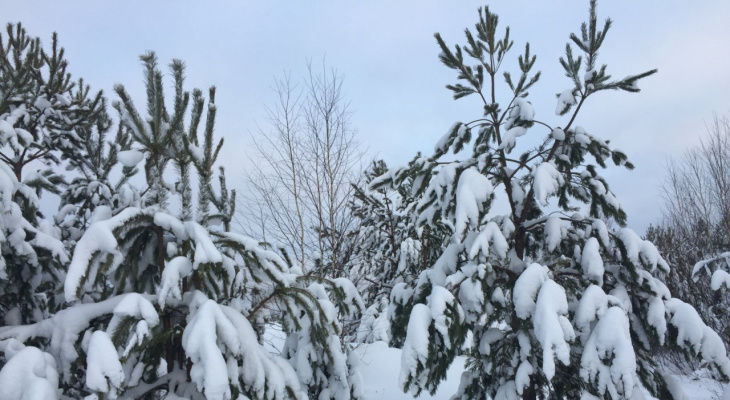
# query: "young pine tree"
[[42, 117], [164, 300], [559, 306], [391, 250]]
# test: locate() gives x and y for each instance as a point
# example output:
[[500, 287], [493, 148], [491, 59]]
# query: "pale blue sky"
[[395, 83]]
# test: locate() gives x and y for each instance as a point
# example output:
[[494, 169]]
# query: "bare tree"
[[696, 192], [307, 157], [696, 222]]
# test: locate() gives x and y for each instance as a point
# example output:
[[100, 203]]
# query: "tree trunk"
[[530, 393], [166, 322]]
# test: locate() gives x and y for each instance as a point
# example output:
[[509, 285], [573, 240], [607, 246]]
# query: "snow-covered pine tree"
[[41, 104], [559, 305], [169, 302], [98, 191], [42, 113], [391, 250]]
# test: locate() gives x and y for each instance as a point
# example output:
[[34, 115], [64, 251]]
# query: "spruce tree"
[[559, 305]]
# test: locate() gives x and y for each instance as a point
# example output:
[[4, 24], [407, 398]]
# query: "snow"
[[457, 130], [490, 236], [508, 391], [215, 338], [379, 366], [104, 372], [522, 376], [322, 366], [171, 224], [641, 252], [704, 264], [526, 111], [29, 374], [547, 181], [175, 270], [622, 298], [558, 134], [206, 328], [582, 137], [554, 232], [552, 328], [472, 191], [590, 74], [526, 289], [63, 99], [42, 103], [409, 254], [374, 324], [415, 348], [692, 333], [130, 158], [509, 140], [599, 229], [25, 136], [591, 261], [720, 278], [591, 306], [471, 298], [698, 386], [444, 266], [134, 305], [656, 317], [205, 250], [98, 238], [63, 329], [438, 301], [400, 294], [270, 264], [6, 129], [565, 101], [101, 213], [352, 296], [608, 359]]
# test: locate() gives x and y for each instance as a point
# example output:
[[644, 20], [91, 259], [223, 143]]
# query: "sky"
[[395, 84]]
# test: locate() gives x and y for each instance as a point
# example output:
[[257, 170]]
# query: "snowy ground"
[[380, 369], [702, 388]]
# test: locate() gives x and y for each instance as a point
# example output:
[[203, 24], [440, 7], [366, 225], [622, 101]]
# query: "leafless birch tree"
[[306, 158]]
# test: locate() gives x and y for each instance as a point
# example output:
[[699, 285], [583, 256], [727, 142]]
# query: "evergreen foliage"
[[139, 288], [391, 251], [558, 305], [43, 118], [161, 299]]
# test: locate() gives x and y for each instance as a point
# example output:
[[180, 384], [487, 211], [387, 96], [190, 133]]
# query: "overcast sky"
[[386, 51]]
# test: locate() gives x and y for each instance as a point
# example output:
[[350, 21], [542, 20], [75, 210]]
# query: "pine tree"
[[165, 300], [97, 192], [559, 306], [391, 251], [42, 117]]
